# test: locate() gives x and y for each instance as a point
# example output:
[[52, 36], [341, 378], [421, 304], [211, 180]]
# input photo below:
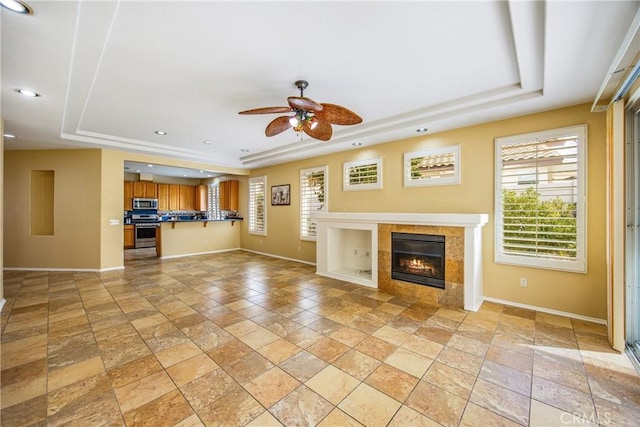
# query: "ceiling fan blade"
[[267, 110], [338, 115], [304, 103], [321, 131], [278, 125]]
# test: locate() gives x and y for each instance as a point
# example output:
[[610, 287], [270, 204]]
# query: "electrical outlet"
[[523, 282]]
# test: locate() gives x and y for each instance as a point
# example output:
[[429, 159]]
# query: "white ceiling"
[[112, 72]]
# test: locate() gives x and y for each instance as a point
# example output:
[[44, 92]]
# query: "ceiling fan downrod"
[[302, 85]]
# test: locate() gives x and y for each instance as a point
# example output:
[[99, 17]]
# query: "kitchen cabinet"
[[187, 198], [202, 193], [129, 236], [145, 189], [171, 197], [229, 195], [163, 197], [128, 195], [151, 190], [174, 197]]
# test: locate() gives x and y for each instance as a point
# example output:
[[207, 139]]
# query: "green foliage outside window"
[[536, 227], [364, 174]]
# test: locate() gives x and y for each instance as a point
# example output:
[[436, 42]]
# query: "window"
[[436, 166], [363, 175], [540, 199], [213, 208], [313, 198], [257, 205]]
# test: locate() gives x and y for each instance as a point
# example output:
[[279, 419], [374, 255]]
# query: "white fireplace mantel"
[[332, 252]]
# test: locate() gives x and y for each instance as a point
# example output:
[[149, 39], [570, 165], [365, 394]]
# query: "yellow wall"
[[88, 194], [112, 207], [76, 242], [583, 294]]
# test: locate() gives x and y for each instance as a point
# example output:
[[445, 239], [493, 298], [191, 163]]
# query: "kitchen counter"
[[202, 220]]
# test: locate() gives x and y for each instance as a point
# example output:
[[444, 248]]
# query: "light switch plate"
[[114, 222]]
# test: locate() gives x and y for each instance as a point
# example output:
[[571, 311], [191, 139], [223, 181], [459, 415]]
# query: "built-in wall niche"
[[41, 202], [349, 253]]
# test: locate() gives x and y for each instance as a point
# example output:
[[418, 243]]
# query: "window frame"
[[254, 182], [577, 264], [213, 201], [306, 203], [347, 186], [423, 182]]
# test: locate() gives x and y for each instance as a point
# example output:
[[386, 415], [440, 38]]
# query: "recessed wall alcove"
[[356, 247]]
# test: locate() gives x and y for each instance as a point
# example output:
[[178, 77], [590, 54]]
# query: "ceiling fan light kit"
[[313, 118]]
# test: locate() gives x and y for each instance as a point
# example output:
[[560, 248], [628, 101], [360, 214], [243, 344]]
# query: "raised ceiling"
[[111, 73]]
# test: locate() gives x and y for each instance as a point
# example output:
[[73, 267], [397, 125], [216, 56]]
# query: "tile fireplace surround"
[[356, 247]]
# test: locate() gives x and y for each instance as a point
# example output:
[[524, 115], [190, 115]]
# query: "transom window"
[[540, 199], [363, 175], [436, 166]]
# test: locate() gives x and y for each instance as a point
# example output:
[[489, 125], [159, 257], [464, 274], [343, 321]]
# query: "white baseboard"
[[81, 270], [199, 253], [547, 310], [278, 256]]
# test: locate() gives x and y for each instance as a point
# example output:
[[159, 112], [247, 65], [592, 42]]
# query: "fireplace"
[[418, 258]]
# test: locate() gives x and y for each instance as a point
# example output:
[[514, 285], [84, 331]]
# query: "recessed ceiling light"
[[207, 142], [185, 175], [357, 144], [209, 176], [149, 166], [161, 132], [137, 170], [27, 92], [244, 150], [17, 6], [421, 130], [201, 171], [8, 135]]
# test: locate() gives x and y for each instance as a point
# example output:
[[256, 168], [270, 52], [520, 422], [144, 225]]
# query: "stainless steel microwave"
[[140, 203]]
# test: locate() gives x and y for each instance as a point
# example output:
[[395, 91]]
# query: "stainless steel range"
[[146, 227]]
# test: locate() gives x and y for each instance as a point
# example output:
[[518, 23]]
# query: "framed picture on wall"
[[280, 195]]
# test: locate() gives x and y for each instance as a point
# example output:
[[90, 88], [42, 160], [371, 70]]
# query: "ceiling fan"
[[313, 118]]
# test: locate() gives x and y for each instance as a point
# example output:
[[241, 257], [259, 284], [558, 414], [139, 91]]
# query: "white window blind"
[[257, 205], [213, 208], [363, 175], [540, 199], [313, 198]]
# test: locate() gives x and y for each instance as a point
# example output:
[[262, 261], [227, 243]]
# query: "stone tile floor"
[[241, 339]]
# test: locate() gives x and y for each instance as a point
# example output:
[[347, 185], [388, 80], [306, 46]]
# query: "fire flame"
[[417, 264]]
